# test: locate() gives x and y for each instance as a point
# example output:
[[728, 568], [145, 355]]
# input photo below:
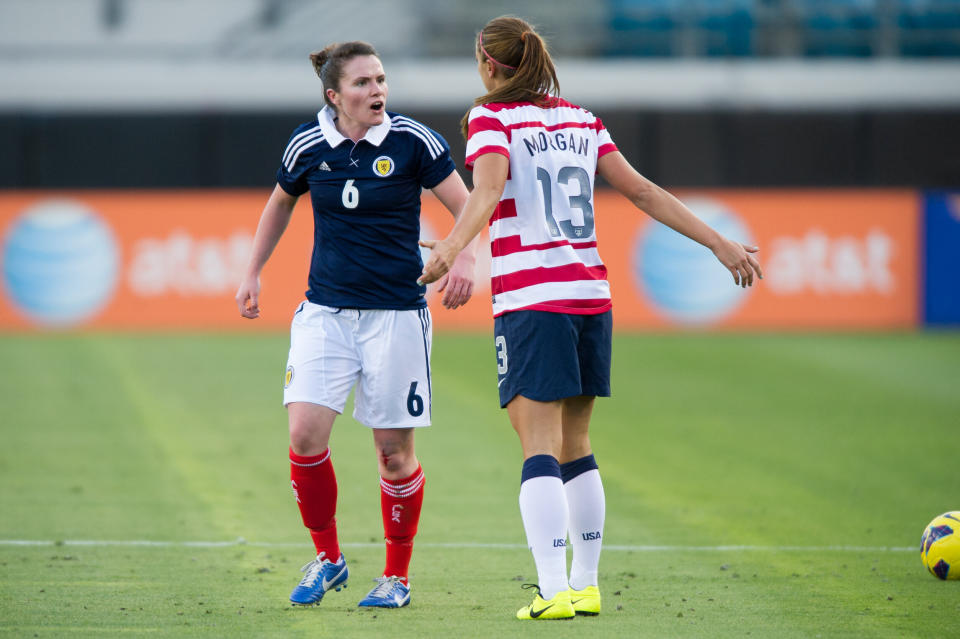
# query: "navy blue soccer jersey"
[[366, 207]]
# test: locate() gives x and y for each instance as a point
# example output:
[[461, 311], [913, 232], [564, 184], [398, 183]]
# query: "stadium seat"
[[725, 27], [838, 28], [929, 28], [644, 28], [662, 28]]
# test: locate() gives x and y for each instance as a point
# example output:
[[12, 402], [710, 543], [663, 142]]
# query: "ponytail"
[[521, 55]]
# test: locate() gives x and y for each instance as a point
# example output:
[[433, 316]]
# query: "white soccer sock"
[[587, 509], [543, 507]]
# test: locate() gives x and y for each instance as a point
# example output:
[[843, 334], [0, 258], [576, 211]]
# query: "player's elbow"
[[643, 193], [489, 192]]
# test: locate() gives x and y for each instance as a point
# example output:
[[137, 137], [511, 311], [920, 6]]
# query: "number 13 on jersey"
[[580, 200]]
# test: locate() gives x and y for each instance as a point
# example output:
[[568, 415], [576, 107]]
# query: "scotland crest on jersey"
[[383, 166]]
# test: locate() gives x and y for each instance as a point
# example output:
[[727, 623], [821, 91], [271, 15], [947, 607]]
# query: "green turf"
[[790, 446]]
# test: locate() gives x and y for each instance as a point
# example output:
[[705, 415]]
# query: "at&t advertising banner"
[[831, 260], [838, 259]]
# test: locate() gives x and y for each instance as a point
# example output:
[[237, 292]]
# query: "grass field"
[[757, 485]]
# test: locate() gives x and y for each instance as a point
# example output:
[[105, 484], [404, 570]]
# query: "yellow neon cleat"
[[586, 601], [558, 607]]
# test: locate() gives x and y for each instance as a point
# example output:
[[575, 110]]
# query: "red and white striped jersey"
[[542, 235]]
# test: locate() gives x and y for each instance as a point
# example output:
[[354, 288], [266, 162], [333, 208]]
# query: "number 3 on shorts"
[[501, 345]]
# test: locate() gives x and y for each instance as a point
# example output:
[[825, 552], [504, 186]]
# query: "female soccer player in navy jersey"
[[365, 320], [534, 157]]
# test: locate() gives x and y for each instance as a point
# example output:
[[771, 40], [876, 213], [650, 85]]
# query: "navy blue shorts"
[[549, 356]]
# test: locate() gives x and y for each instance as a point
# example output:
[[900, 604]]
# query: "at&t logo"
[[60, 263], [682, 279]]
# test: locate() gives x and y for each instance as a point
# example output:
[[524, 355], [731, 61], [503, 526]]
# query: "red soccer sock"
[[400, 503], [315, 487]]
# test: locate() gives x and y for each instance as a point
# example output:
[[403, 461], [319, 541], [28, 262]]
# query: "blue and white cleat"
[[321, 576], [390, 592]]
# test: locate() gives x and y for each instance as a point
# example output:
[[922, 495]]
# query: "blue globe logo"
[[682, 278], [60, 263]]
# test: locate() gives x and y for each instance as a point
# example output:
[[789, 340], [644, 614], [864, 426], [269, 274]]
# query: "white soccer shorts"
[[385, 353]]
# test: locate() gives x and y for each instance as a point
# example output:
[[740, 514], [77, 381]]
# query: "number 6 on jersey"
[[351, 195]]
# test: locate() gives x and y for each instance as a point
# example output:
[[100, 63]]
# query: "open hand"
[[457, 284], [739, 260]]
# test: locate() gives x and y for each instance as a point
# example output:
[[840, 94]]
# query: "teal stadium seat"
[[929, 28], [660, 28], [725, 28], [642, 28], [838, 28]]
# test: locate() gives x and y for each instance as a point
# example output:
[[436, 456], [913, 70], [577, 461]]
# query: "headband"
[[490, 57]]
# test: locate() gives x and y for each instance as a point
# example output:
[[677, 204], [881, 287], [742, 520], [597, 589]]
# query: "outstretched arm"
[[665, 208], [489, 177], [457, 285], [273, 222]]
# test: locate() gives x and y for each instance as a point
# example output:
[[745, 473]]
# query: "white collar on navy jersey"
[[374, 135]]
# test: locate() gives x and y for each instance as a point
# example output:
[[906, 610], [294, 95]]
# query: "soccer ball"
[[940, 546]]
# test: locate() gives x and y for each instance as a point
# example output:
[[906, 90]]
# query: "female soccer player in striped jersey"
[[365, 321], [534, 157]]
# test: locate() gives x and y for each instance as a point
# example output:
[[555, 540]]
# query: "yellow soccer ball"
[[940, 546]]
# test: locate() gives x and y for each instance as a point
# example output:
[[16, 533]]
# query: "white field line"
[[454, 545]]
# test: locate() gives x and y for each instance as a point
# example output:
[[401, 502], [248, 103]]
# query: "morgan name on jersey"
[[557, 141]]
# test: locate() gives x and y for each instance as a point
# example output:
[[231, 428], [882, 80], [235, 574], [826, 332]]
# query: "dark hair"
[[518, 52], [329, 62]]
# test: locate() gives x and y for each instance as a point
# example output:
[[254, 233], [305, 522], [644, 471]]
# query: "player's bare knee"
[[305, 439], [389, 464], [396, 458]]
